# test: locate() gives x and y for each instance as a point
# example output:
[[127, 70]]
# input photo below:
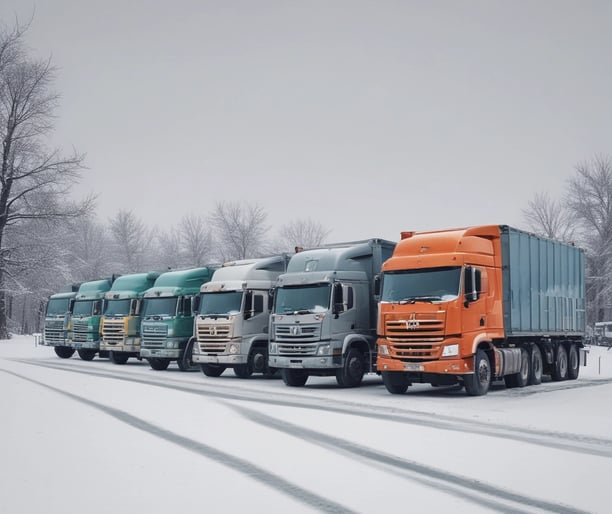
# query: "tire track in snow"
[[451, 483], [576, 443], [235, 463]]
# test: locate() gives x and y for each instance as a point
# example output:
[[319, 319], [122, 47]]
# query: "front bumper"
[[227, 360], [446, 366], [313, 362], [89, 345], [161, 353]]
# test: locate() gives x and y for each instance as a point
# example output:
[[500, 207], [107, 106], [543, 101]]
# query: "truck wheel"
[[243, 370], [537, 365], [212, 370], [185, 358], [573, 363], [64, 352], [351, 373], [158, 364], [396, 382], [86, 354], [520, 379], [118, 357], [259, 360], [479, 382], [559, 371], [294, 377]]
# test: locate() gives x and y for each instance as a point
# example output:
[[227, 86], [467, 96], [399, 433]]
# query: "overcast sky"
[[371, 117]]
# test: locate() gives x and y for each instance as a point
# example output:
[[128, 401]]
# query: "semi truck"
[[324, 316], [231, 324], [471, 305], [167, 317], [120, 324], [57, 327], [86, 315]]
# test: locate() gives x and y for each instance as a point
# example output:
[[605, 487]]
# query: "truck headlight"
[[383, 350], [273, 348], [233, 348], [450, 350], [323, 349], [171, 344]]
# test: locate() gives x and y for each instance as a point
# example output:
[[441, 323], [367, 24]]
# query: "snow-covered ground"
[[93, 437]]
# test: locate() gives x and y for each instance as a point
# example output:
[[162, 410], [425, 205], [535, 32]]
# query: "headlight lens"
[[450, 350], [383, 350], [323, 349], [273, 348], [234, 348]]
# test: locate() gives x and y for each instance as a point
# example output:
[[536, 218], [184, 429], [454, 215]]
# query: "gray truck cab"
[[231, 323], [324, 316]]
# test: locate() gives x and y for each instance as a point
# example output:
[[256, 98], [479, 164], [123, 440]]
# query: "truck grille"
[[297, 349], [297, 332], [54, 331], [213, 338], [416, 336], [154, 335], [79, 331], [113, 332]]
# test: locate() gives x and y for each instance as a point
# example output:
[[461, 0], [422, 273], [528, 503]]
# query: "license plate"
[[296, 365], [413, 366]]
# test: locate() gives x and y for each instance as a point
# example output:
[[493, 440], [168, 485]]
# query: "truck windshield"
[[302, 299], [83, 308], [58, 306], [421, 285], [223, 303], [160, 306], [117, 307]]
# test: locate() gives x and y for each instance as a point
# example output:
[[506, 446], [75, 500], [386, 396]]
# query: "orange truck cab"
[[472, 305]]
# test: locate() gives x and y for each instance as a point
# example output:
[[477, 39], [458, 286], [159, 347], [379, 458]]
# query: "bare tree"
[[549, 218], [196, 240], [302, 233], [239, 230], [35, 180], [133, 242], [169, 250], [589, 198]]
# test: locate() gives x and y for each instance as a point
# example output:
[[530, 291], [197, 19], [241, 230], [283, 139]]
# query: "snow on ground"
[[94, 437]]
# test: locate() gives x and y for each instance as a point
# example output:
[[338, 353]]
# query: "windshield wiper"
[[414, 299], [302, 311]]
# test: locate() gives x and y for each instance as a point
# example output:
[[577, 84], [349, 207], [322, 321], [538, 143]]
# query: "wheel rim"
[[562, 364], [355, 368], [259, 362], [483, 372]]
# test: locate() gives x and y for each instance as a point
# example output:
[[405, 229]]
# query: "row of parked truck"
[[462, 306]]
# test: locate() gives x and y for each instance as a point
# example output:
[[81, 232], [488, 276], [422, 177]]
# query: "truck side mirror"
[[377, 282], [71, 306], [472, 281], [195, 304], [338, 301]]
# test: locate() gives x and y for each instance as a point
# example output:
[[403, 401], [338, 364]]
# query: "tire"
[[212, 370], [185, 360], [353, 369], [294, 377], [259, 360], [243, 370], [537, 365], [559, 371], [396, 382], [64, 352], [573, 359], [158, 364], [479, 382], [520, 379], [86, 354], [118, 357]]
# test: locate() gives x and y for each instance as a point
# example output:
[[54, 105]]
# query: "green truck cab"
[[120, 324], [86, 315], [57, 327], [167, 317]]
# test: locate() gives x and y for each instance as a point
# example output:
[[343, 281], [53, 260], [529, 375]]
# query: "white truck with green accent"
[[86, 316], [231, 324], [325, 309], [120, 323], [57, 325], [167, 317]]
